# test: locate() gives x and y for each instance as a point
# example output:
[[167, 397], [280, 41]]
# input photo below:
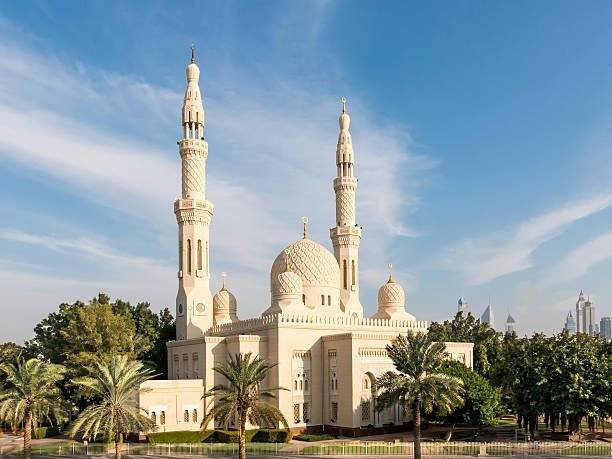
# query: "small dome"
[[289, 283], [391, 294], [314, 264], [224, 302], [193, 72]]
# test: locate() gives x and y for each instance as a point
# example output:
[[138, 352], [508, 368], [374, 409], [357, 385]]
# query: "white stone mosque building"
[[328, 352]]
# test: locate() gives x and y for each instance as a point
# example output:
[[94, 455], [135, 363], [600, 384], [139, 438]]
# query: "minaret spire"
[[346, 236], [194, 314]]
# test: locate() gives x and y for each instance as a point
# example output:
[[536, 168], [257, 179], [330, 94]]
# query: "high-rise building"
[[487, 316], [605, 328], [510, 324], [585, 315], [570, 323], [462, 306]]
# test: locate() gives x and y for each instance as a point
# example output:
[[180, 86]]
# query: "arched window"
[[322, 300], [295, 384], [328, 300], [199, 254], [305, 384], [301, 384], [162, 418], [186, 416], [353, 276], [194, 416], [303, 298], [344, 274], [181, 255], [153, 417], [189, 256]]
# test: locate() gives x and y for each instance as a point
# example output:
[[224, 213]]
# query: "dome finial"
[[305, 223], [223, 277], [343, 99], [390, 273], [193, 53]]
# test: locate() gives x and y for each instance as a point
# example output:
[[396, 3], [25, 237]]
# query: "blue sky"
[[482, 133]]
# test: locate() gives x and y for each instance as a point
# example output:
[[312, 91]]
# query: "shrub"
[[182, 436], [315, 437], [220, 436], [271, 436], [45, 432]]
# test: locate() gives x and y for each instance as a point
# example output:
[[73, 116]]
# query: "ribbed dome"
[[391, 294], [224, 302], [314, 264], [289, 283]]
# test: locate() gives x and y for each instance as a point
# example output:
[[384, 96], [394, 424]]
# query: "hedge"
[[45, 432], [220, 436], [315, 437]]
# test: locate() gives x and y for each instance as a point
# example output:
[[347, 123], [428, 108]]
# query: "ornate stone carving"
[[391, 294], [315, 265]]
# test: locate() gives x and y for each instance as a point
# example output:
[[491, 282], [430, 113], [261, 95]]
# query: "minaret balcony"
[[346, 231], [192, 143], [188, 204]]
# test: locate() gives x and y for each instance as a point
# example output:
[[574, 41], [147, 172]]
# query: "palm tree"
[[116, 413], [31, 395], [419, 384], [241, 399]]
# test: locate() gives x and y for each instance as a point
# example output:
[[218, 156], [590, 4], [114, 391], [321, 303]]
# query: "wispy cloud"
[[272, 154], [482, 260], [581, 259]]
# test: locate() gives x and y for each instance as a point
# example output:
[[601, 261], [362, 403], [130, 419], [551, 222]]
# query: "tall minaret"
[[194, 309], [346, 236]]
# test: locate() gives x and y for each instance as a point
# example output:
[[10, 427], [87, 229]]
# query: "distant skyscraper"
[[605, 328], [510, 324], [462, 306], [570, 324], [585, 315], [487, 316]]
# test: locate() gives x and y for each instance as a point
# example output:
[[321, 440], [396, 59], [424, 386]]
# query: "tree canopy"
[[466, 328]]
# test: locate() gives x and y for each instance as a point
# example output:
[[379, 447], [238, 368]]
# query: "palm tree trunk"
[[27, 435], [241, 436], [417, 430], [118, 446]]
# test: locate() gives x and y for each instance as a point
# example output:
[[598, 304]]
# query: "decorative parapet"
[[308, 321]]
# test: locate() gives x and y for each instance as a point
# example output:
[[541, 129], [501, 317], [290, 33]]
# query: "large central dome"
[[316, 266]]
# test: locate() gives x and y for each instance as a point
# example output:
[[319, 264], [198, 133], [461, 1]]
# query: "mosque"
[[328, 353]]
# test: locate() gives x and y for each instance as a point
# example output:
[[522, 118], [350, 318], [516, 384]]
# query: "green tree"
[[482, 402], [242, 398], [31, 396], [9, 352], [419, 384], [116, 411], [54, 339], [466, 328]]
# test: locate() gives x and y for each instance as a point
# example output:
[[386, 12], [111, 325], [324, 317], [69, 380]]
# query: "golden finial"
[[193, 53], [343, 104], [223, 277], [305, 223], [390, 271]]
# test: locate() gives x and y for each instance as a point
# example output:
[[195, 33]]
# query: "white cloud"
[[581, 259], [272, 154], [483, 260]]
